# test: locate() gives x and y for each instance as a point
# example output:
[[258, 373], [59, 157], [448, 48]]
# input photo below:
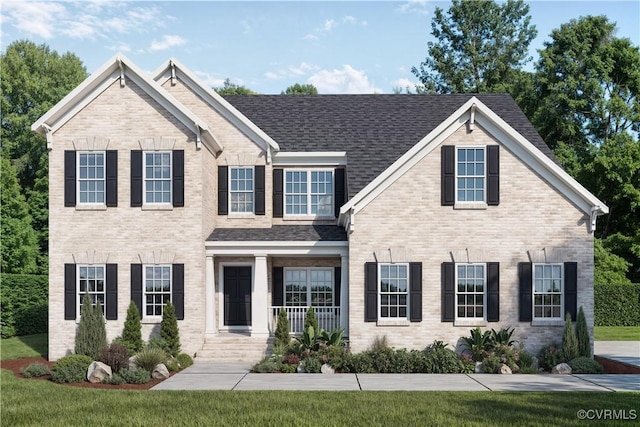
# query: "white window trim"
[[253, 205], [309, 270], [539, 320], [153, 318], [472, 321], [308, 215], [156, 205], [79, 297], [474, 204], [394, 321], [91, 205]]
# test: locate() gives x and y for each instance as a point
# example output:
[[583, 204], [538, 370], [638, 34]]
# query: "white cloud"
[[310, 37], [418, 7], [121, 47], [346, 80], [35, 18], [273, 76], [209, 80], [302, 69], [168, 41]]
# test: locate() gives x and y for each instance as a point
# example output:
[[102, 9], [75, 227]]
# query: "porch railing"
[[328, 318]]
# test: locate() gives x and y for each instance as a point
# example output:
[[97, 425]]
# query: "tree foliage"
[[229, 88], [91, 336], [479, 47], [300, 89], [132, 335], [582, 335], [282, 337], [169, 329]]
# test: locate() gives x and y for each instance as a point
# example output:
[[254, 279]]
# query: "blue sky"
[[339, 46]]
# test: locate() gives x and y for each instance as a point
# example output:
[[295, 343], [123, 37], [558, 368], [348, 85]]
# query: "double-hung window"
[[470, 174], [91, 281], [309, 192], [241, 189], [91, 177], [394, 290], [157, 177], [547, 291], [470, 291], [156, 289], [308, 286]]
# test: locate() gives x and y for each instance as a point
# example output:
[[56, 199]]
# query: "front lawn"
[[24, 346], [617, 333], [28, 402]]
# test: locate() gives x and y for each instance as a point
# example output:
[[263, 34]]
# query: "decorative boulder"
[[561, 368], [132, 363], [97, 372], [160, 372], [300, 368], [327, 369], [504, 369], [479, 369]]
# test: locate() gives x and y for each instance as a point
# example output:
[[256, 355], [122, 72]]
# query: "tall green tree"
[[300, 89], [479, 46], [230, 88]]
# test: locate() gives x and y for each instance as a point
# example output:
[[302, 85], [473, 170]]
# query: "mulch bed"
[[16, 365]]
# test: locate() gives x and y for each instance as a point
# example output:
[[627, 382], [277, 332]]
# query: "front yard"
[[617, 333]]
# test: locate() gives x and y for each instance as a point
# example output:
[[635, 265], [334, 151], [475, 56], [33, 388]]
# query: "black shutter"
[[339, 190], [69, 292], [177, 291], [278, 193], [111, 301], [223, 188], [277, 293], [259, 190], [337, 277], [136, 178], [448, 175], [493, 292], [525, 279], [178, 178], [448, 292], [493, 175], [571, 289], [136, 286], [69, 178], [415, 294], [370, 292], [111, 196]]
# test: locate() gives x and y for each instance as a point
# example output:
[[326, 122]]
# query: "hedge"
[[617, 305], [23, 304]]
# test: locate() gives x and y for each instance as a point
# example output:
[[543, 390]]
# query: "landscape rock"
[[479, 369], [561, 368], [160, 372], [98, 371], [327, 369], [132, 363], [300, 368], [504, 369]]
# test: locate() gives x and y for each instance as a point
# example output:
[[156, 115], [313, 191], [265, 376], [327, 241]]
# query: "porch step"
[[230, 347]]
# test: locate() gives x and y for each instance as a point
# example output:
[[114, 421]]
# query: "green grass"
[[25, 346], [617, 333], [29, 403]]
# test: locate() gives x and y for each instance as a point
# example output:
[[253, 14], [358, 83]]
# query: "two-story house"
[[414, 217]]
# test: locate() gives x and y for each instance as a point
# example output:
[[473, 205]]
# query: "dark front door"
[[237, 296]]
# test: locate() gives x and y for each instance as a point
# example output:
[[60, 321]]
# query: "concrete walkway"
[[622, 351]]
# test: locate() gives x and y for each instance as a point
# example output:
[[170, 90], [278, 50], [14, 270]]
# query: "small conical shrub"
[[132, 335], [310, 320], [91, 336], [282, 337], [169, 329], [582, 333], [569, 340]]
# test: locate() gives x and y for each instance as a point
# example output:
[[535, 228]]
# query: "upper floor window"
[[470, 291], [547, 291], [91, 177], [394, 290], [470, 174], [241, 189], [91, 281], [309, 192], [156, 289], [157, 177]]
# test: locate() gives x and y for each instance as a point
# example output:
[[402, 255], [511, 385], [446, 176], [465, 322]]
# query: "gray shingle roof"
[[374, 130], [299, 233]]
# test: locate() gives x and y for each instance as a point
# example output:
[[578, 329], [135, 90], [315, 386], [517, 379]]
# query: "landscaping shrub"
[[478, 343], [585, 365], [491, 364], [184, 360], [115, 379], [269, 365], [379, 342], [169, 329], [442, 360], [332, 338], [116, 356], [337, 356], [503, 337], [617, 305], [71, 369], [310, 320], [550, 356], [291, 359], [132, 335], [23, 304], [569, 340], [172, 364], [135, 376], [149, 357], [157, 342], [282, 337], [507, 355], [525, 360], [582, 334], [307, 341], [91, 336], [35, 370], [312, 365]]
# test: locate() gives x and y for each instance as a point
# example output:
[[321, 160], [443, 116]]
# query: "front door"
[[237, 296]]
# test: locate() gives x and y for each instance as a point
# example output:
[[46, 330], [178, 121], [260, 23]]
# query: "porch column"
[[210, 296], [259, 295], [344, 293]]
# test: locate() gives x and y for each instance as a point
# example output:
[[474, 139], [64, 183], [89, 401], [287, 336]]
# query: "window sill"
[[239, 215], [470, 322], [91, 207], [470, 206], [307, 218], [393, 322], [151, 320], [549, 322], [157, 207]]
